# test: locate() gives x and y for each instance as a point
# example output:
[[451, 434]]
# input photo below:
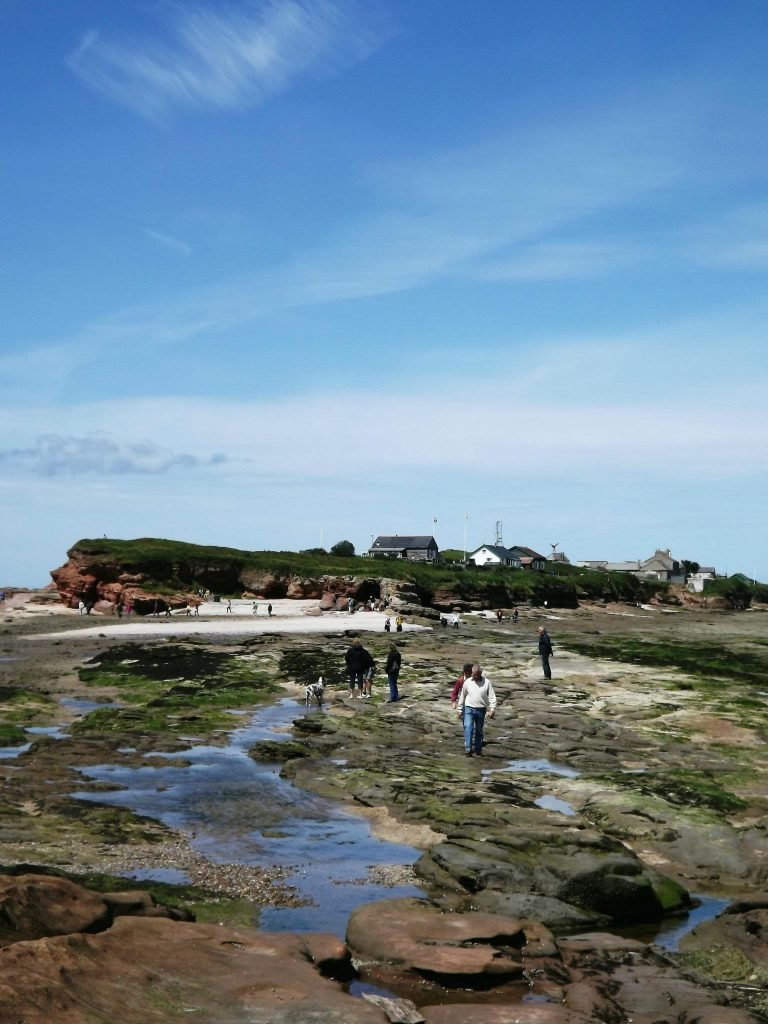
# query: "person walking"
[[466, 672], [229, 607], [394, 663], [477, 698], [269, 610], [399, 624], [546, 651], [455, 620], [359, 661]]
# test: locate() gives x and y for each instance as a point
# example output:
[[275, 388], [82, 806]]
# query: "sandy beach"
[[288, 616]]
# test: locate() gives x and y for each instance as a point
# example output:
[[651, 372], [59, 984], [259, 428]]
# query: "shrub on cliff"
[[344, 549]]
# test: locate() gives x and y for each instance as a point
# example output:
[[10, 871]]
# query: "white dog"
[[315, 692]]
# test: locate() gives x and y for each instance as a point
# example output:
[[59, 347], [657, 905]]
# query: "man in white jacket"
[[476, 698]]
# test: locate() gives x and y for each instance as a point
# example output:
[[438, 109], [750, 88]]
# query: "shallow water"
[[534, 765], [238, 810], [6, 753], [670, 931], [554, 803]]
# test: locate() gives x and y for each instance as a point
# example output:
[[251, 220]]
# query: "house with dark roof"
[[493, 555], [415, 549], [528, 558]]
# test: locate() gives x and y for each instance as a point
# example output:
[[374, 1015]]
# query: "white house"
[[696, 581], [494, 555]]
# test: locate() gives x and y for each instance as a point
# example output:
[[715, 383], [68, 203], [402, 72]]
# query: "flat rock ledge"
[[113, 957]]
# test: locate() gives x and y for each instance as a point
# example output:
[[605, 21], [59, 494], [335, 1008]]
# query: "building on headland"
[[493, 556], [660, 566], [696, 581], [517, 557], [414, 549]]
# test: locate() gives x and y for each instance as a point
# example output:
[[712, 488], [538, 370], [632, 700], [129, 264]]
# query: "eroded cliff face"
[[104, 584]]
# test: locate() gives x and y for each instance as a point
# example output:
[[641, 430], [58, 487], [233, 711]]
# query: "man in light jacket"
[[476, 698]]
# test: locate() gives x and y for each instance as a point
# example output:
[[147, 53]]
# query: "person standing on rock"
[[545, 651], [477, 698], [394, 661], [359, 661]]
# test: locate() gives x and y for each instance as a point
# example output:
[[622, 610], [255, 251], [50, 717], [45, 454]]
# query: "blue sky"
[[277, 272]]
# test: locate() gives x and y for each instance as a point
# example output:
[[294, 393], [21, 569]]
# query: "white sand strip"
[[287, 617]]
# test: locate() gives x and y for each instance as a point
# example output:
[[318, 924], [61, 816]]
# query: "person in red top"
[[459, 683]]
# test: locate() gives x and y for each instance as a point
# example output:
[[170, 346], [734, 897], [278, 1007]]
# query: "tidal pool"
[[534, 765], [670, 931], [240, 811], [554, 803]]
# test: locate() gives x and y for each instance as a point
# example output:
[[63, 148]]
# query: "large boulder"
[[33, 906], [415, 936], [577, 868]]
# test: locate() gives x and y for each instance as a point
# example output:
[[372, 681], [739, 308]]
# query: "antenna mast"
[[499, 540]]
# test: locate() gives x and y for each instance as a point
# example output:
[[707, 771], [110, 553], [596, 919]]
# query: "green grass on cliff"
[[177, 564]]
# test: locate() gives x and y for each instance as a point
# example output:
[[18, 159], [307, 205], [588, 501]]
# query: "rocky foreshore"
[[653, 791]]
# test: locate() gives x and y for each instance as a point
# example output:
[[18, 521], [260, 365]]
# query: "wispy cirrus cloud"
[[737, 240], [229, 57], [169, 241], [56, 455]]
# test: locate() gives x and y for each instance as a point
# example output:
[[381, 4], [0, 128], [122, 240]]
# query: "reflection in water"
[[553, 803], [534, 765], [54, 732], [10, 752], [238, 810], [670, 931]]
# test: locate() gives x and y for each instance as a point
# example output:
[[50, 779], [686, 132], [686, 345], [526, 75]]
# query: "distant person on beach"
[[499, 614], [269, 610], [455, 620], [388, 625], [81, 607], [255, 608], [2, 597], [466, 672], [545, 651], [394, 663], [399, 624], [229, 607], [515, 616], [358, 661], [351, 606], [477, 698]]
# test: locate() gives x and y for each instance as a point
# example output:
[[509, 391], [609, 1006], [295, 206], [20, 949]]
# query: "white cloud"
[[737, 240], [226, 57], [556, 261], [55, 455], [169, 241]]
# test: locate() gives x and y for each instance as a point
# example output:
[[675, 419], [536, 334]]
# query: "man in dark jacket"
[[359, 661], [545, 651], [394, 661]]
